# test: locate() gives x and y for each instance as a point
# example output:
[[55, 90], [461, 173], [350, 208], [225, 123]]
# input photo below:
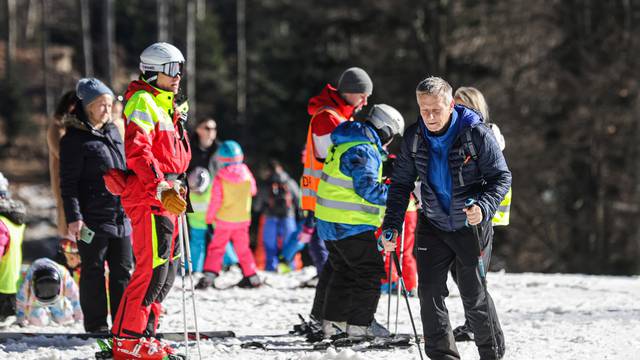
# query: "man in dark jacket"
[[456, 158]]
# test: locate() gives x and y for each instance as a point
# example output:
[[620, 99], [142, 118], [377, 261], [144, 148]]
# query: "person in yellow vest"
[[12, 225], [328, 109], [350, 206], [473, 98], [200, 192], [230, 210]]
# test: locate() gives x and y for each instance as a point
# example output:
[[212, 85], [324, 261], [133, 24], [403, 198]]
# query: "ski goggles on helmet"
[[171, 69]]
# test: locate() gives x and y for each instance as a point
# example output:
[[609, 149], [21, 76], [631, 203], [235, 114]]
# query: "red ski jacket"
[[156, 144]]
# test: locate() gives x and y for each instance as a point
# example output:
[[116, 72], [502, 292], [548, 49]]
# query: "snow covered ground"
[[543, 317]]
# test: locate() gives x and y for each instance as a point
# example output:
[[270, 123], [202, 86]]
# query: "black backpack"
[[280, 198]]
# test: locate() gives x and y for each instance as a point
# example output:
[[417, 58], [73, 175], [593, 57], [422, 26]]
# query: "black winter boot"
[[207, 281], [250, 282]]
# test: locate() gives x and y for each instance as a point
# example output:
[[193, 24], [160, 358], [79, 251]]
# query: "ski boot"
[[374, 330], [207, 281], [250, 282], [334, 330], [141, 348], [171, 352]]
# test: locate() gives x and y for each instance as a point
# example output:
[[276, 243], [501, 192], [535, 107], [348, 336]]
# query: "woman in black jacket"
[[95, 217]]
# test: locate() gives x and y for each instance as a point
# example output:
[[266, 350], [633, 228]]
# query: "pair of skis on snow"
[[283, 342], [371, 344]]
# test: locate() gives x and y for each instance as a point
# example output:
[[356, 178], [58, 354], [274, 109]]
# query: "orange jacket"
[[327, 110]]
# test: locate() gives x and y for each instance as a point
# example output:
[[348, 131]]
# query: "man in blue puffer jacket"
[[349, 208], [457, 158]]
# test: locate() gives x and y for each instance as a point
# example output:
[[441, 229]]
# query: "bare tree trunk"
[[11, 36], [87, 45], [598, 230], [32, 21], [242, 63], [191, 55], [48, 102], [431, 27], [201, 9], [108, 36], [163, 20]]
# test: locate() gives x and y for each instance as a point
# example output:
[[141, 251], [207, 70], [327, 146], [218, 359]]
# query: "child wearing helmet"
[[350, 205], [48, 294], [230, 210]]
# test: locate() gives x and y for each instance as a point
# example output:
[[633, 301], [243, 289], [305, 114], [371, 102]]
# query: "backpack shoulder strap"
[[414, 143], [468, 144]]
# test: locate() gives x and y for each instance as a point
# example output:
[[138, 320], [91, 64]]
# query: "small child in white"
[[48, 293]]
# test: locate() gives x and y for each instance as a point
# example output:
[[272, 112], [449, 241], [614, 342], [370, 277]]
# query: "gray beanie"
[[88, 89], [355, 81]]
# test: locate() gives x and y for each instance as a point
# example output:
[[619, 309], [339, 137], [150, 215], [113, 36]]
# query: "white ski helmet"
[[161, 57], [199, 180], [386, 120]]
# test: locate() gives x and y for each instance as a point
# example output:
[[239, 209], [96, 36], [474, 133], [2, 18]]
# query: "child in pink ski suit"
[[230, 210]]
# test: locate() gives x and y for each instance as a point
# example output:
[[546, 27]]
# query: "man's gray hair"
[[436, 86]]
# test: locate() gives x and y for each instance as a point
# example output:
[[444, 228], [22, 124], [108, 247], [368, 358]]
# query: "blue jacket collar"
[[350, 131]]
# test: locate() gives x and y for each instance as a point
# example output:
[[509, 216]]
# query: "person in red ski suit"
[[157, 155]]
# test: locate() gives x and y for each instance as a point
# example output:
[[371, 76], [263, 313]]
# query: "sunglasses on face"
[[209, 128], [171, 69]]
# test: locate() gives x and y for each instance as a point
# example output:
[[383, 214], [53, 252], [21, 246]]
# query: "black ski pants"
[[437, 250], [116, 251], [353, 289], [317, 311]]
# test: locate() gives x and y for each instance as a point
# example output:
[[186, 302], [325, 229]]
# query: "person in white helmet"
[[350, 205], [157, 155]]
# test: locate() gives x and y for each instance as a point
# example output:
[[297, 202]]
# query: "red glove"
[[115, 181]]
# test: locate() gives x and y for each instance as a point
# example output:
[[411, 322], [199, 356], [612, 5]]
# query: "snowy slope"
[[543, 316]]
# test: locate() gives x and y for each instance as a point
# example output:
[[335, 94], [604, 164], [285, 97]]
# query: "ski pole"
[[406, 298], [190, 274], [184, 290], [483, 279], [389, 292], [399, 270]]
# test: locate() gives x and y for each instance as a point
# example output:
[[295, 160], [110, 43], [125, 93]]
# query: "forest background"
[[560, 77]]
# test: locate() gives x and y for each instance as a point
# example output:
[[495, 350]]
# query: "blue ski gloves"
[[387, 240]]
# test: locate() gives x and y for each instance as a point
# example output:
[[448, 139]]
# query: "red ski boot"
[[165, 346], [140, 348]]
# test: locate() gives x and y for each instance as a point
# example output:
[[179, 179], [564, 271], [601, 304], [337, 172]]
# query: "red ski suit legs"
[[409, 267], [239, 235], [156, 251]]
